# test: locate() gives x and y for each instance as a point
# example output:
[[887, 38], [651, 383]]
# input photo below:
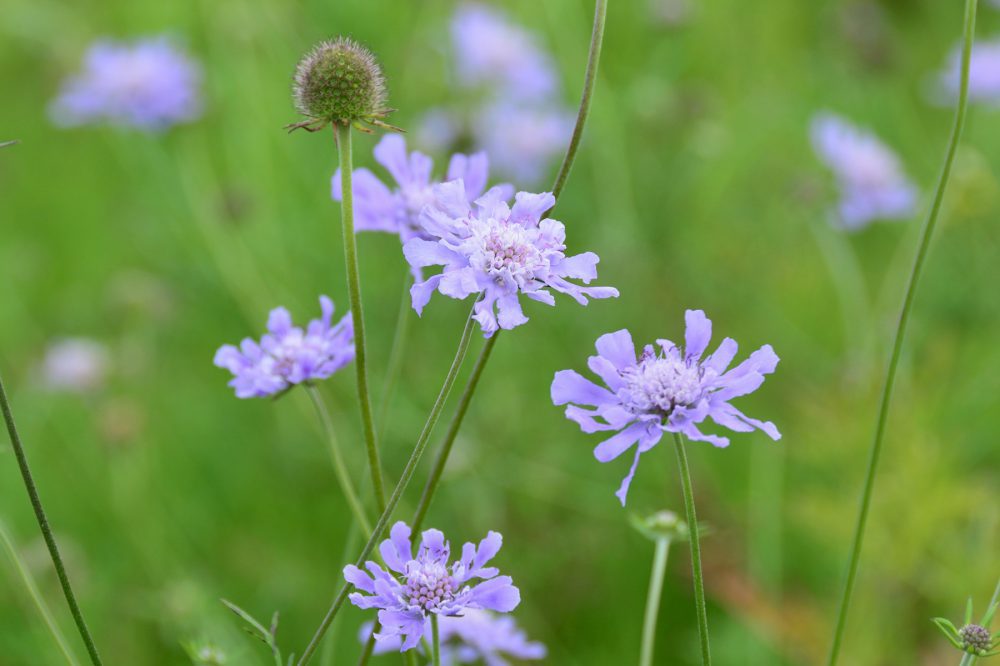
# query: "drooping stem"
[[589, 81], [397, 493], [449, 439], [339, 467], [357, 314], [699, 579], [43, 524], [36, 596], [897, 344], [395, 354], [653, 601], [436, 638]]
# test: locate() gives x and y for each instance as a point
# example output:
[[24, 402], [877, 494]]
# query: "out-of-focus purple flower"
[[491, 51], [397, 210], [472, 637], [416, 587], [670, 390], [498, 252], [872, 182], [288, 355], [522, 140], [148, 84], [75, 364], [984, 73]]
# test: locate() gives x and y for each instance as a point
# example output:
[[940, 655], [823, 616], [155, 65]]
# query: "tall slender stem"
[[456, 423], [967, 660], [436, 638], [589, 81], [43, 524], [357, 314], [339, 468], [699, 579], [897, 345], [404, 480], [395, 353], [653, 601], [36, 596]]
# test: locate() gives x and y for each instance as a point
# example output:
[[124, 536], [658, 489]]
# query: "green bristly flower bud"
[[339, 82]]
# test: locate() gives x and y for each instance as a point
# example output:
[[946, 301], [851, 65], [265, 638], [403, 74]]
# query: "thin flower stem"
[[456, 423], [897, 345], [699, 579], [589, 81], [339, 467], [366, 654], [436, 637], [395, 353], [967, 660], [411, 657], [36, 597], [653, 601], [357, 315], [404, 480], [43, 524]]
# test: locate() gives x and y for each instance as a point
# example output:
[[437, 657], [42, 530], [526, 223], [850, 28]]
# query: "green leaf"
[[259, 631], [968, 611]]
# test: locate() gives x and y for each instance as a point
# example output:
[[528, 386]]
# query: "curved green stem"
[[897, 345], [339, 467], [366, 654], [456, 424], [43, 524], [699, 579], [36, 596], [395, 353], [357, 314], [589, 81], [653, 601], [404, 480]]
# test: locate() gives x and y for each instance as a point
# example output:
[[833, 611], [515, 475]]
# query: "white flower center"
[[661, 384], [507, 250], [428, 585]]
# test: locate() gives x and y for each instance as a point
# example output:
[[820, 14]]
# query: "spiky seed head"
[[975, 638], [340, 82]]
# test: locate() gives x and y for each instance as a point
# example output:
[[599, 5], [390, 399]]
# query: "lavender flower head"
[[75, 364], [523, 140], [872, 183], [491, 51], [499, 252], [474, 636], [379, 208], [288, 355], [666, 390], [984, 73], [416, 587], [148, 85]]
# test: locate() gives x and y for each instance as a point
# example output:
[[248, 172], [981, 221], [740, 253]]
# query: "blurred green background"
[[697, 186]]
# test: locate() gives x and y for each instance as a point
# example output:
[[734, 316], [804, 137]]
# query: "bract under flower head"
[[670, 389], [498, 252], [149, 84], [289, 355], [872, 183], [416, 587]]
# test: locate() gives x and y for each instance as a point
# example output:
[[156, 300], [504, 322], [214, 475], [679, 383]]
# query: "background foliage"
[[697, 186]]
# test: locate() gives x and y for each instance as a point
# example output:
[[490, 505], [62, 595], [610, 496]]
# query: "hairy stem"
[[897, 344], [339, 468], [357, 314], [589, 81], [456, 424], [404, 480], [43, 524], [653, 601], [699, 579]]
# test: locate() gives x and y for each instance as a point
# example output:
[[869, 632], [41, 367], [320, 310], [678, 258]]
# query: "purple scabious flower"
[[872, 182], [670, 390], [498, 252], [148, 85], [523, 140], [288, 355], [492, 52], [416, 587], [379, 208], [474, 636], [984, 73]]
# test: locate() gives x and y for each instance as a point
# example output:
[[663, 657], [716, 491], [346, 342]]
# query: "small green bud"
[[339, 82], [976, 639], [662, 525]]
